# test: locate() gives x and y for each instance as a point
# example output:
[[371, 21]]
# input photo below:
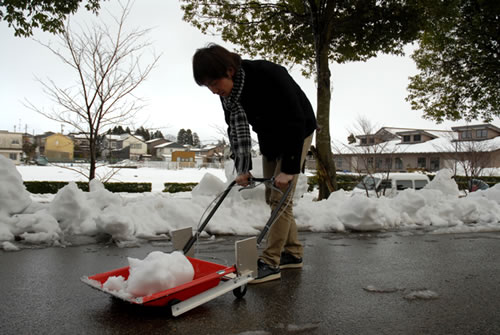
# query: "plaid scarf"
[[239, 131]]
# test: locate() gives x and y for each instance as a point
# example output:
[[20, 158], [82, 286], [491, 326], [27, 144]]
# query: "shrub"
[[178, 187], [54, 186]]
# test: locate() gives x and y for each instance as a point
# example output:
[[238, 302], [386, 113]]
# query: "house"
[[151, 144], [165, 150], [59, 148], [124, 146], [407, 149], [183, 156], [138, 147], [212, 153], [40, 142], [82, 145], [11, 146]]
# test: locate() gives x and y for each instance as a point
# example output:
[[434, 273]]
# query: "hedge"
[[345, 182], [179, 187], [348, 182], [54, 186]]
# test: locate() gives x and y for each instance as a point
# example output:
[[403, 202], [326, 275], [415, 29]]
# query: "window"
[[419, 184], [15, 141], [13, 156], [398, 163], [417, 138], [421, 162], [113, 145], [371, 140], [386, 184], [363, 141], [466, 134], [403, 184], [369, 162], [406, 138], [136, 146], [434, 164], [368, 183], [338, 162], [480, 133], [378, 163], [388, 163]]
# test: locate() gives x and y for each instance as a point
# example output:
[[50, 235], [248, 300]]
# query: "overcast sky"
[[375, 89]]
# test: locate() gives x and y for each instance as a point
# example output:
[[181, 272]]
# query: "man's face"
[[222, 86]]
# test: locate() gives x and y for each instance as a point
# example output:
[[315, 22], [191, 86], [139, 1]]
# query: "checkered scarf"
[[239, 131]]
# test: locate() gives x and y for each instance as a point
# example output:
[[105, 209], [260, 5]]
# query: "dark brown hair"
[[213, 62]]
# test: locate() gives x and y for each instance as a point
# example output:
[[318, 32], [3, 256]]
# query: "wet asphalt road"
[[350, 284]]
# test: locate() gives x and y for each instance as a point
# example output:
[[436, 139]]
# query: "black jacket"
[[278, 111]]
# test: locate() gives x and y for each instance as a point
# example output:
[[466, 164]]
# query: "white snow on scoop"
[[157, 272]]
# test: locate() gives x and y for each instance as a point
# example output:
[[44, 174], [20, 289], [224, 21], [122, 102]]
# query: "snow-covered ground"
[[73, 216]]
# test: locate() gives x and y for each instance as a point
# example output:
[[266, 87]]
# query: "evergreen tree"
[[196, 141], [189, 137], [181, 136], [157, 134]]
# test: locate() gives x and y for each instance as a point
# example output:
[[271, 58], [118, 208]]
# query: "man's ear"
[[230, 72]]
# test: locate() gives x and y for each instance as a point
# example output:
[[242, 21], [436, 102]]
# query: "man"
[[264, 95]]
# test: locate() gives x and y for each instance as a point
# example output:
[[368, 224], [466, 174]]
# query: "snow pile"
[[159, 271], [72, 215], [13, 198]]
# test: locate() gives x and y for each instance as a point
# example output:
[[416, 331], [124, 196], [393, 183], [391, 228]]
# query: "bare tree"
[[372, 154], [470, 157], [108, 66]]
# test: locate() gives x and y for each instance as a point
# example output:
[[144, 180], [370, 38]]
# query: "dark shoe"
[[266, 273], [288, 261]]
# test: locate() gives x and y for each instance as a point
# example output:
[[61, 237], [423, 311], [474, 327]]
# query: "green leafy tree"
[[311, 33], [459, 62], [48, 15]]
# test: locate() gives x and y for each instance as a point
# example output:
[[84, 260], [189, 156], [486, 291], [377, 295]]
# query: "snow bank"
[[124, 217]]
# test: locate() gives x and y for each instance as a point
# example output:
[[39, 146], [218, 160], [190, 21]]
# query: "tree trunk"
[[93, 150], [324, 159]]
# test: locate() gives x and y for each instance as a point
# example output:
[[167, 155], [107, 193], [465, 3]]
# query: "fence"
[[178, 165]]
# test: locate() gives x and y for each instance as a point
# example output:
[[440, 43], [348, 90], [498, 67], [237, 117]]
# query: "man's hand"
[[282, 180], [243, 178]]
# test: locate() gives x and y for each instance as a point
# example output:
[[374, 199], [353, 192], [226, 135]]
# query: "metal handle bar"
[[264, 231]]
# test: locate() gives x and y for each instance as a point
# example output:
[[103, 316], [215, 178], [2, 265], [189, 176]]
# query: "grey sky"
[[374, 89]]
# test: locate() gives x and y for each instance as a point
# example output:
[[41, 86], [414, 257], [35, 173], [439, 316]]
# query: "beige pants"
[[283, 235]]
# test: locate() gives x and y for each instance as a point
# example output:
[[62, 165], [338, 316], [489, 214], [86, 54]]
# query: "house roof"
[[156, 140], [476, 126], [418, 131], [113, 137], [123, 137], [170, 145], [437, 145]]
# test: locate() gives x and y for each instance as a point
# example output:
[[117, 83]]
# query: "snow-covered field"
[[73, 216]]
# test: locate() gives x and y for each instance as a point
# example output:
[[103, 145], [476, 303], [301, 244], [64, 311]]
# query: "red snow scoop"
[[210, 279]]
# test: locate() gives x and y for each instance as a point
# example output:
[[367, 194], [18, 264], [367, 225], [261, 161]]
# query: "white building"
[[11, 146]]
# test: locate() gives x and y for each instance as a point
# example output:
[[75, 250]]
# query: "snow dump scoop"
[[210, 279]]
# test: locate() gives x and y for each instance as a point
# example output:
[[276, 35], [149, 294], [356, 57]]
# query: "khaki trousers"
[[283, 235]]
